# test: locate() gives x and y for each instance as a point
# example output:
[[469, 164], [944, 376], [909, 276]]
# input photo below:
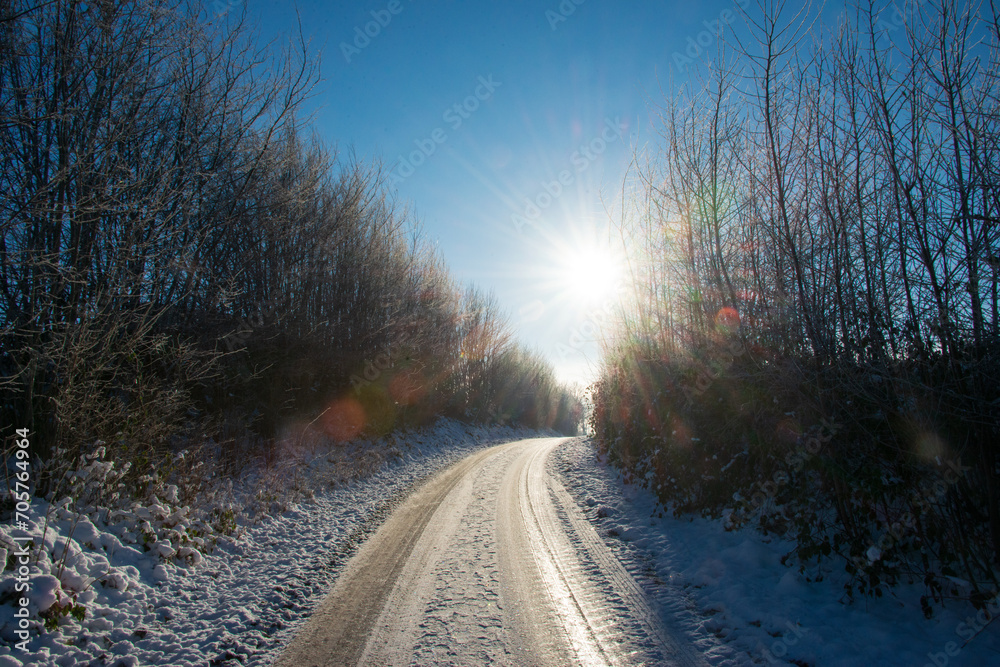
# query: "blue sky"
[[552, 99]]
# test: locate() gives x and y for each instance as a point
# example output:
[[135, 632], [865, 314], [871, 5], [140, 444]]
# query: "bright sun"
[[591, 274]]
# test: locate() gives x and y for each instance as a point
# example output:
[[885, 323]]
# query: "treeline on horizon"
[[186, 267], [813, 344]]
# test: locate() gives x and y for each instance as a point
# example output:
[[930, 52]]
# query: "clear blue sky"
[[556, 83]]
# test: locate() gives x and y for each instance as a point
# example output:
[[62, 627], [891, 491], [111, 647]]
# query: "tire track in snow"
[[490, 562], [603, 610], [444, 605], [663, 644], [336, 632]]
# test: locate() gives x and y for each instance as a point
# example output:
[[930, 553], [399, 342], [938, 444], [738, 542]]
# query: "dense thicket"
[[182, 264], [815, 325]]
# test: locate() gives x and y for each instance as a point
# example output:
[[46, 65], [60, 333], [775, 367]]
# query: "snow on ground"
[[241, 602], [462, 623], [245, 600], [732, 586], [449, 609]]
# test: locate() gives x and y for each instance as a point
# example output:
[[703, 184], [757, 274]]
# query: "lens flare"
[[407, 387], [727, 319], [343, 420], [929, 445]]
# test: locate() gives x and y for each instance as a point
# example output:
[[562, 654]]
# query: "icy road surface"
[[489, 563]]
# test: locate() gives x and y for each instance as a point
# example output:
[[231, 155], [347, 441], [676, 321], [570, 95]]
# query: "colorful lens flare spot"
[[728, 319], [343, 420]]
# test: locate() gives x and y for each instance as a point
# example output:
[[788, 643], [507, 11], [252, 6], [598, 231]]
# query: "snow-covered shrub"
[[92, 518]]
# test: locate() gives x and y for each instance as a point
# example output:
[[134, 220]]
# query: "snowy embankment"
[[741, 606], [143, 586]]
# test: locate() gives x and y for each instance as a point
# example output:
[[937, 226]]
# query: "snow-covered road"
[[490, 562]]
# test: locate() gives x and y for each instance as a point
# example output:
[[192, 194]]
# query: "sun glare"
[[591, 274]]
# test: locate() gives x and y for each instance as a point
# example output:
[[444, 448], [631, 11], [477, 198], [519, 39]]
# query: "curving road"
[[491, 562]]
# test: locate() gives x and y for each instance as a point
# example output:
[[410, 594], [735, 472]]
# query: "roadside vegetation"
[[813, 346], [192, 283]]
